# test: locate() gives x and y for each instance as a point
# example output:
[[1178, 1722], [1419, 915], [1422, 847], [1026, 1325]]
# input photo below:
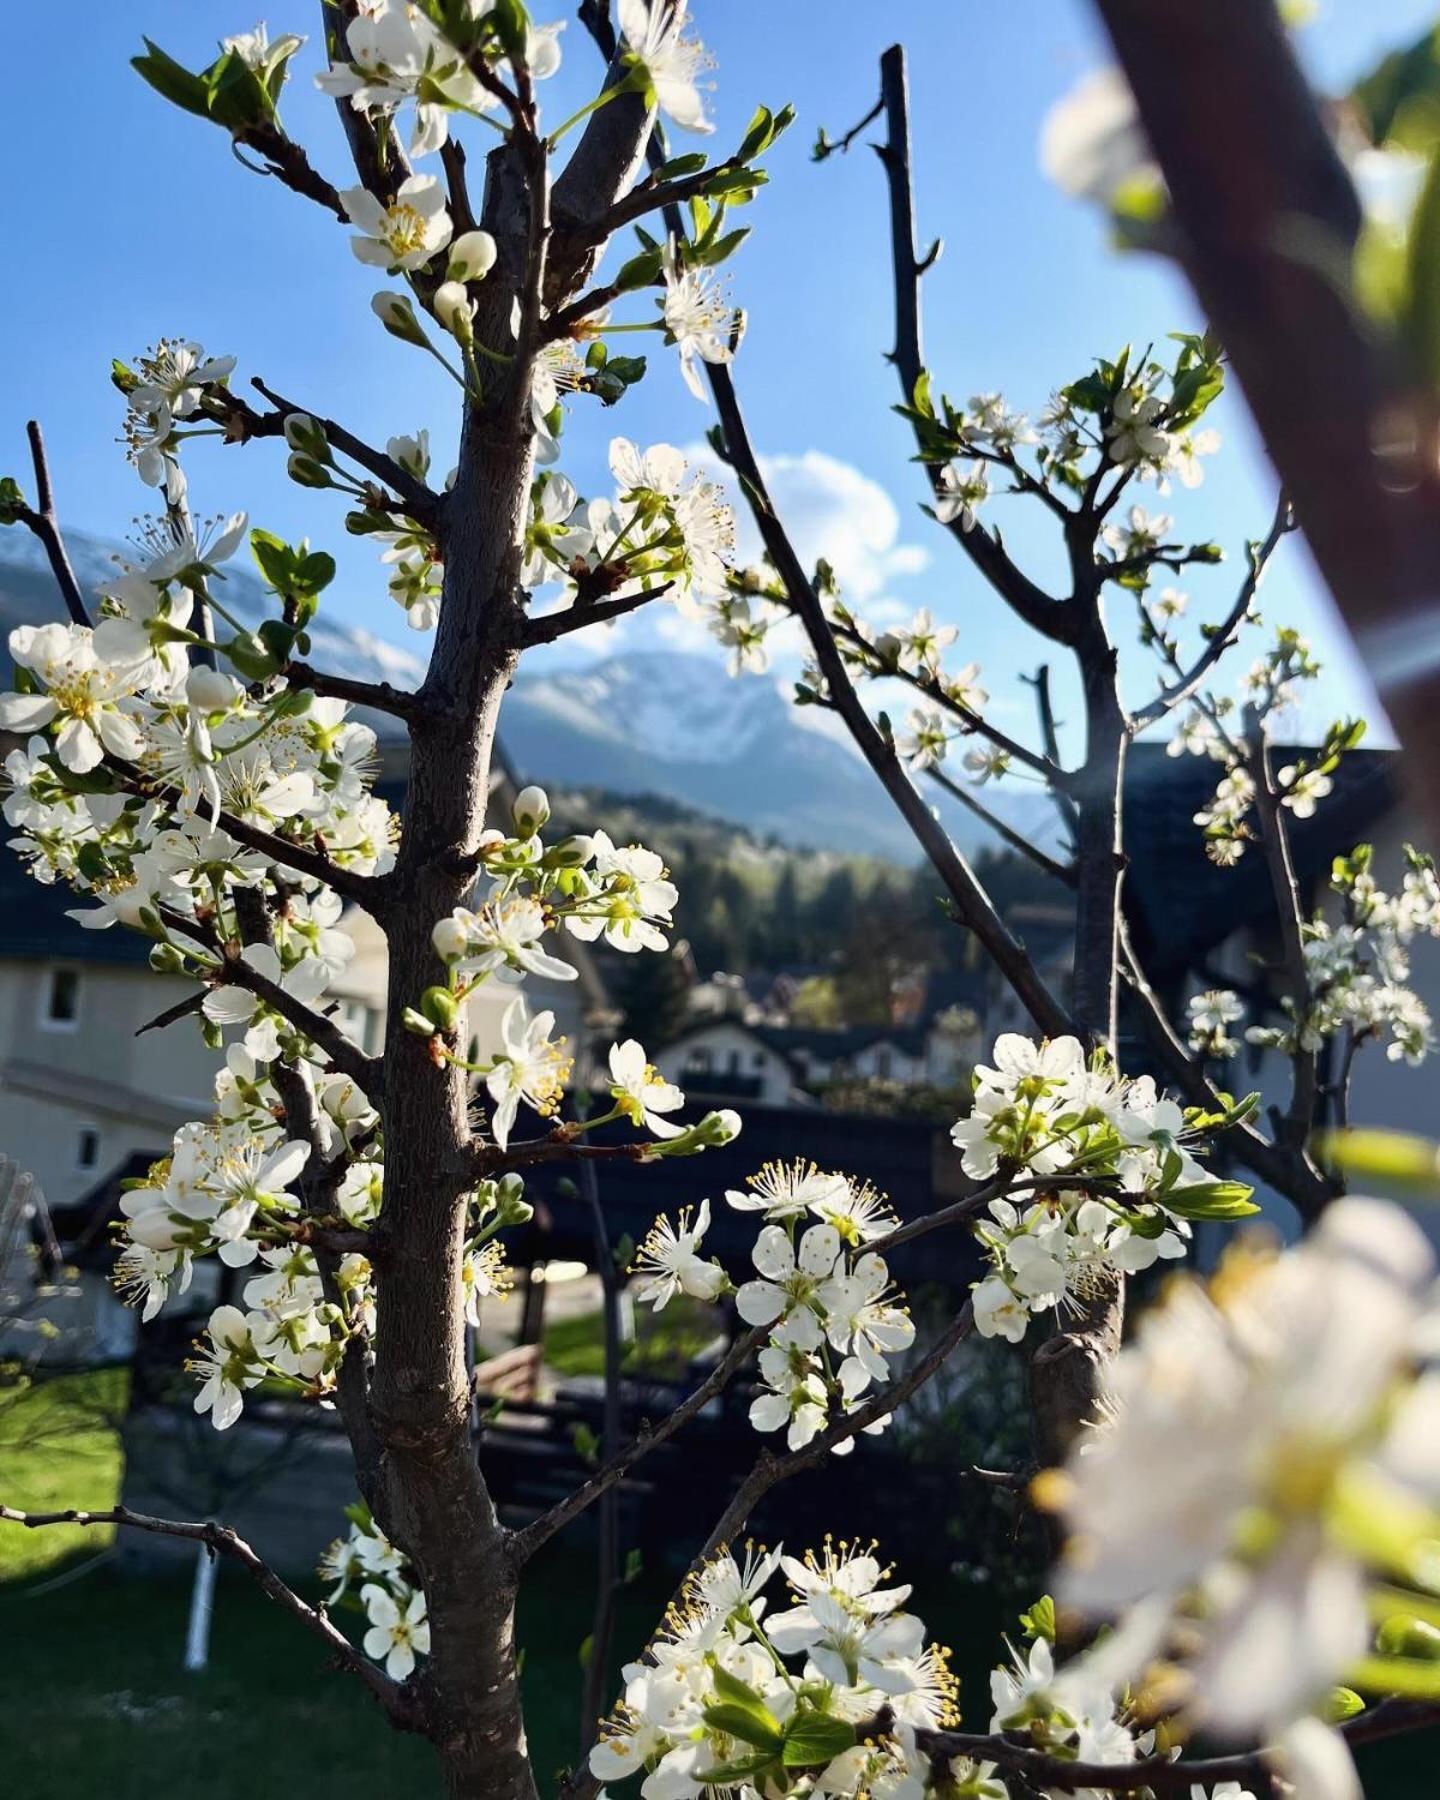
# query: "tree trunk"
[[433, 1499]]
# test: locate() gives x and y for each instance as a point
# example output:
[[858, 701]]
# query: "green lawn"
[[58, 1448], [108, 1713], [664, 1342]]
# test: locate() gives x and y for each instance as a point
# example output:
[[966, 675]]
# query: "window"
[[60, 1000], [883, 1064], [757, 1061], [733, 1062], [354, 1016], [698, 1061], [87, 1148]]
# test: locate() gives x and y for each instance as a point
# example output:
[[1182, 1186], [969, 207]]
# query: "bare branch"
[[1298, 1122], [1292, 1172], [380, 695], [526, 1542], [1225, 634], [367, 1072], [972, 903], [1051, 617], [1158, 1774], [957, 790], [222, 1541], [549, 626], [43, 522], [287, 162], [415, 498]]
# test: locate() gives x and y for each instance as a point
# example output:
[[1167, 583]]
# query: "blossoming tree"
[[205, 784]]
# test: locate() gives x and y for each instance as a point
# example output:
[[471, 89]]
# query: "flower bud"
[[417, 1023], [472, 256], [531, 810], [571, 853], [441, 1007], [450, 939], [455, 309], [306, 471], [1403, 1635], [397, 315], [304, 434], [207, 690], [166, 959]]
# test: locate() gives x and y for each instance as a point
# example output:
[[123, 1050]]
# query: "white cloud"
[[831, 509]]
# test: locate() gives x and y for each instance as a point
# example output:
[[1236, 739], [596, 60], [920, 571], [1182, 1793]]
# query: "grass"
[[109, 1714], [59, 1447], [664, 1343]]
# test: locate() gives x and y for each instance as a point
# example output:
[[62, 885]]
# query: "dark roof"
[[35, 927], [1180, 904], [895, 1155], [825, 1043]]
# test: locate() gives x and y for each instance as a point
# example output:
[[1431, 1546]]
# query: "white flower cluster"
[[667, 530], [735, 1697], [1112, 1160], [1356, 971], [1263, 1488], [1074, 1713], [171, 381], [397, 1628], [833, 1314], [399, 56]]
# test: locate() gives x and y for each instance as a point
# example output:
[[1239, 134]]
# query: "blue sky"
[[132, 220]]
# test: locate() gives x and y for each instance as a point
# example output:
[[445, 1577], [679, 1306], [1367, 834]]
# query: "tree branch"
[[972, 903], [43, 522], [1159, 1774], [368, 1072], [400, 703], [957, 790], [1291, 1172], [421, 502], [222, 1541], [1226, 632], [550, 626], [527, 1541], [1039, 610], [290, 166]]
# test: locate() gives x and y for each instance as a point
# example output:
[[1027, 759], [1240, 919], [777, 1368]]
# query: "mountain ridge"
[[648, 721]]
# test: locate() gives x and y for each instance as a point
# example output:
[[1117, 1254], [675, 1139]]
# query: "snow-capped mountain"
[[645, 722], [673, 724]]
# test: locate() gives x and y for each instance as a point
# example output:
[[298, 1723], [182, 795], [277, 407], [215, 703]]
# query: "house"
[[791, 1064], [88, 1080]]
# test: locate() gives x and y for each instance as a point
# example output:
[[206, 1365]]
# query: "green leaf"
[[740, 1722], [1397, 1158], [641, 271], [172, 80], [1422, 306], [814, 1738], [734, 1692], [1399, 101], [1212, 1200], [1397, 1675], [759, 135], [718, 249], [680, 166], [728, 1774], [1039, 1622]]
